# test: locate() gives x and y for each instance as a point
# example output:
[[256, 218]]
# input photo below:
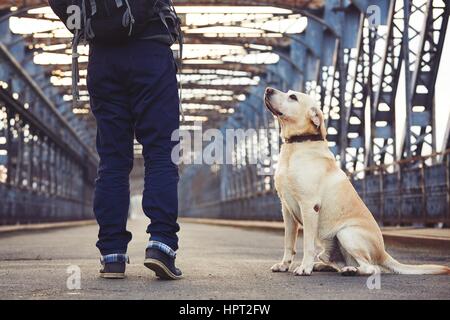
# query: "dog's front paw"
[[323, 267], [349, 271], [280, 267], [304, 270]]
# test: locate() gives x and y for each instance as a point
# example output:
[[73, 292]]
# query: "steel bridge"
[[373, 67]]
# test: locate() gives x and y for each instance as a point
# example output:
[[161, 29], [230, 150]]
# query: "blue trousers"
[[134, 93]]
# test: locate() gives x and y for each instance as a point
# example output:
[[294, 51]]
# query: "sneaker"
[[113, 266], [162, 263]]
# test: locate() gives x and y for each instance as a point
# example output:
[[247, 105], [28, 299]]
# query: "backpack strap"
[[94, 7], [169, 12], [180, 43], [75, 68], [128, 18], [84, 34]]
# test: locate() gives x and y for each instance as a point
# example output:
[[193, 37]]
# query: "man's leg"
[[109, 104], [156, 112]]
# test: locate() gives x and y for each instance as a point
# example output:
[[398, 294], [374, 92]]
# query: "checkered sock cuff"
[[115, 257], [162, 247]]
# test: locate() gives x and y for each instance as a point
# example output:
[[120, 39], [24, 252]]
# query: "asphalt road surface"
[[218, 263]]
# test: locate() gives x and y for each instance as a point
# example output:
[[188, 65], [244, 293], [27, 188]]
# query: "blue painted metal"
[[383, 107], [424, 74], [350, 66], [46, 170], [353, 70]]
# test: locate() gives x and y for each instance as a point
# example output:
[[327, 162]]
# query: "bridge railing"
[[46, 172], [415, 190], [406, 192]]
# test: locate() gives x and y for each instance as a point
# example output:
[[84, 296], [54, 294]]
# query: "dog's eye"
[[293, 97]]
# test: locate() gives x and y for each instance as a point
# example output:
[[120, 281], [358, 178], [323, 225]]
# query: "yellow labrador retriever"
[[316, 193]]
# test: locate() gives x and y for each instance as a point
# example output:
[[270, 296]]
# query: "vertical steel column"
[[405, 44], [356, 89], [333, 122], [420, 84], [383, 138], [8, 148]]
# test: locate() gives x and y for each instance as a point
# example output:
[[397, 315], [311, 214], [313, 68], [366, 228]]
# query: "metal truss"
[[353, 68], [357, 93], [370, 80], [271, 43], [424, 67], [46, 171], [383, 146], [313, 4]]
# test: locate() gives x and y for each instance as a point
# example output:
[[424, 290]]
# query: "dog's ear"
[[316, 116]]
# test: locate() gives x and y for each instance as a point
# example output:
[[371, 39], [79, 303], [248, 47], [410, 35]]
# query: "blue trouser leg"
[[110, 106], [156, 111], [133, 90]]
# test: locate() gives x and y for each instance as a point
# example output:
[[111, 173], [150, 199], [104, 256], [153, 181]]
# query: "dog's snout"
[[269, 104], [269, 91]]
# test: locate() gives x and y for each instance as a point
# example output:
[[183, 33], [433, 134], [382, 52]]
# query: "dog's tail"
[[396, 267]]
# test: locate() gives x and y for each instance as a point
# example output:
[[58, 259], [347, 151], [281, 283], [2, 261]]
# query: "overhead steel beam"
[[312, 4], [191, 38], [206, 101], [57, 123], [237, 89], [233, 66]]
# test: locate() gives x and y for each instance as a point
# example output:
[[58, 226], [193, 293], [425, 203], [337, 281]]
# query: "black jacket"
[[154, 29]]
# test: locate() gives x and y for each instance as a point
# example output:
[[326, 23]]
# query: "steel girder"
[[361, 86], [277, 3], [348, 81], [275, 42], [383, 137], [360, 77], [357, 90], [324, 78], [18, 82], [338, 59], [356, 72], [41, 178], [206, 101], [423, 73], [46, 168], [268, 42], [231, 66], [313, 4], [330, 101], [189, 38], [272, 43], [46, 173]]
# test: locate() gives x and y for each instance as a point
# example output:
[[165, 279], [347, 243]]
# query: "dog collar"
[[303, 138]]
